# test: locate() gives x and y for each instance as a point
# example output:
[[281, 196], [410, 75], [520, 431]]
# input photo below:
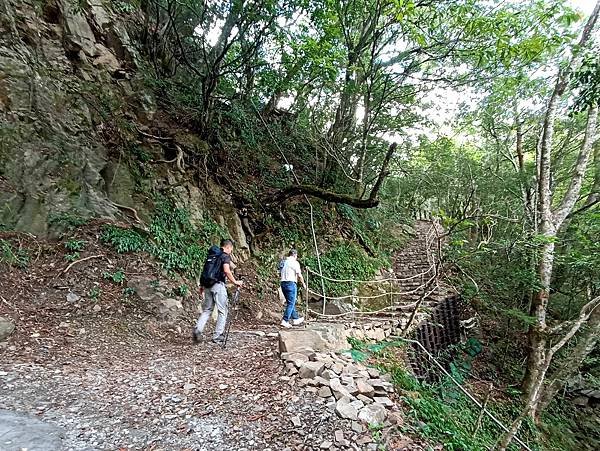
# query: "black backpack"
[[280, 265], [211, 272]]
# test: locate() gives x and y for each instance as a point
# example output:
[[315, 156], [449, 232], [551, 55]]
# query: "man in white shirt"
[[290, 274]]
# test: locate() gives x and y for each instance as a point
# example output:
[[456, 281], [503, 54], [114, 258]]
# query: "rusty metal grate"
[[437, 333]]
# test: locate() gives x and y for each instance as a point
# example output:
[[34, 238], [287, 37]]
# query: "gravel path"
[[109, 394]]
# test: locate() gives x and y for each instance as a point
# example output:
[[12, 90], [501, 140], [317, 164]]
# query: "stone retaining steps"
[[413, 265]]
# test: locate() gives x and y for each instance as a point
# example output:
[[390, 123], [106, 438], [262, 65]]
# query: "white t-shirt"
[[290, 271]]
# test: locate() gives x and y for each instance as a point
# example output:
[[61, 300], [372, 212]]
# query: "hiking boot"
[[220, 339], [285, 324], [297, 321], [196, 336]]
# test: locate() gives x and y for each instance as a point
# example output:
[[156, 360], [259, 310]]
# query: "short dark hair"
[[226, 242], [293, 252]]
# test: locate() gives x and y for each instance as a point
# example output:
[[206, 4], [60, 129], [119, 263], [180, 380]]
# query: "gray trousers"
[[217, 294]]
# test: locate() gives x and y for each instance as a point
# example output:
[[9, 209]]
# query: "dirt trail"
[[112, 376], [111, 392]]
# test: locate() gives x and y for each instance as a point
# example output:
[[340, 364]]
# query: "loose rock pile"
[[158, 296], [6, 328], [357, 393]]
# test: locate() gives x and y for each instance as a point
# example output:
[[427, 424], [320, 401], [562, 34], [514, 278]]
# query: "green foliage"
[[117, 277], [125, 7], [75, 245], [448, 417], [377, 228], [72, 256], [123, 240], [362, 350], [345, 260], [559, 426], [140, 154], [128, 291], [67, 221], [586, 79], [95, 293], [359, 349], [11, 256], [520, 316], [178, 244], [356, 343], [266, 265], [181, 290], [173, 239], [377, 435]]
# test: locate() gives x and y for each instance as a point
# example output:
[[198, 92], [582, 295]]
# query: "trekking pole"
[[234, 301]]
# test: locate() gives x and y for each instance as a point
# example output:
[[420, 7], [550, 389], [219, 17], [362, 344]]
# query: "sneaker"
[[285, 324], [297, 321], [220, 339], [195, 336]]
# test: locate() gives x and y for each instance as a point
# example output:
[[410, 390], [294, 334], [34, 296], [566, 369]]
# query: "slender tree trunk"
[[344, 115], [572, 195], [519, 147], [534, 395], [571, 363], [216, 53], [537, 333], [531, 401], [594, 195], [550, 223]]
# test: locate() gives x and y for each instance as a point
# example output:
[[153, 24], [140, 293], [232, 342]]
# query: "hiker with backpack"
[[216, 270], [290, 273]]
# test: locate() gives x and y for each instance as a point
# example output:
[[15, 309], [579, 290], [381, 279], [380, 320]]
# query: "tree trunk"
[[550, 222], [594, 195], [578, 171], [315, 191], [539, 354], [216, 53], [534, 395], [520, 155], [345, 114], [531, 401], [572, 361], [549, 226], [536, 337]]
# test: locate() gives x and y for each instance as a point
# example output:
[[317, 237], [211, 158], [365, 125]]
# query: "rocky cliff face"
[[72, 104], [52, 65]]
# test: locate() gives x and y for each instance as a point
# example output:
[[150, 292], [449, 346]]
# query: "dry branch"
[[64, 271], [157, 138]]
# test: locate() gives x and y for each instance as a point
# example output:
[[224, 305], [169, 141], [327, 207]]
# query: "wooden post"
[[306, 297], [323, 289]]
